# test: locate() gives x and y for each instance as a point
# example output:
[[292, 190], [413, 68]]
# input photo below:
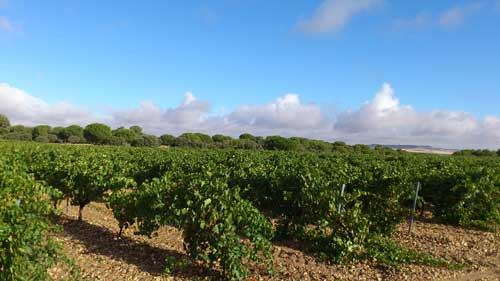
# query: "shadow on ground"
[[102, 241]]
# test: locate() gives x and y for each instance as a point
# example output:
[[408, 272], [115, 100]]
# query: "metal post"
[[341, 195], [414, 207]]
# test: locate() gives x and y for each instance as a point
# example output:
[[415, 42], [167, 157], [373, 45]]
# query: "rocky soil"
[[100, 255]]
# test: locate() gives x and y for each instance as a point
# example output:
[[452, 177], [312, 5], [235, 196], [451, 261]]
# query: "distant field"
[[430, 151]]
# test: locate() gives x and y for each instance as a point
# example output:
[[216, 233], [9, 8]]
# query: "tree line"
[[477, 152], [101, 134]]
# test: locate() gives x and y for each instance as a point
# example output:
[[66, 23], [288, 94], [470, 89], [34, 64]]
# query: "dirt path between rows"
[[93, 244]]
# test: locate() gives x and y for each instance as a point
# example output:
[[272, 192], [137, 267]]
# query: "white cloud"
[[455, 16], [6, 25], [383, 119], [333, 15], [384, 112], [23, 108], [188, 98], [286, 112], [188, 116], [492, 126], [446, 123]]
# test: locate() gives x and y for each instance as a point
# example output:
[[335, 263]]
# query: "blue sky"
[[101, 56]]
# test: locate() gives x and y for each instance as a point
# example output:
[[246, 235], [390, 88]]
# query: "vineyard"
[[232, 205]]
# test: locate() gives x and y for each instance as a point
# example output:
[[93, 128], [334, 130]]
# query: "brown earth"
[[100, 255]]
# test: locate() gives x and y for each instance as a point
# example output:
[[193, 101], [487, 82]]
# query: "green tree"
[[484, 153], [137, 130], [167, 140], [18, 136], [56, 130], [52, 138], [194, 140], [362, 148], [125, 134], [21, 129], [146, 140], [203, 137], [73, 130], [498, 152], [247, 136], [280, 143], [118, 141], [44, 139], [75, 139], [97, 133], [245, 144], [41, 131], [221, 138], [4, 121]]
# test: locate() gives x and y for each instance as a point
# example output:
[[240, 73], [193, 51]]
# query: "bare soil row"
[[100, 255]]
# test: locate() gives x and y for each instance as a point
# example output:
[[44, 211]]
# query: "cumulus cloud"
[[286, 112], [333, 15], [189, 115], [6, 25], [382, 113], [383, 119], [23, 108], [446, 123]]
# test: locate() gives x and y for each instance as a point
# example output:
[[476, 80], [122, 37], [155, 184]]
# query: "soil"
[[100, 255]]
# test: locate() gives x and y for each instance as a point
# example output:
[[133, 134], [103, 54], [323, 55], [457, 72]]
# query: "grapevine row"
[[231, 205]]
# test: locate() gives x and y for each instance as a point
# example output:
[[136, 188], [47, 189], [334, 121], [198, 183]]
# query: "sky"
[[364, 71]]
